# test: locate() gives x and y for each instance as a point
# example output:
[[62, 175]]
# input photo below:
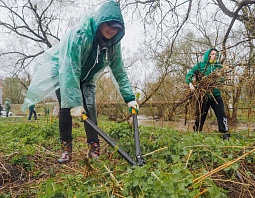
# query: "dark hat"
[[115, 24]]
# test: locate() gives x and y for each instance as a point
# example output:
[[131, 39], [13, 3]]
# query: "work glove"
[[77, 111], [191, 86], [134, 105], [226, 67]]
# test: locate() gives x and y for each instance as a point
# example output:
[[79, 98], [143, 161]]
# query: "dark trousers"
[[31, 112], [7, 113], [65, 118], [218, 108]]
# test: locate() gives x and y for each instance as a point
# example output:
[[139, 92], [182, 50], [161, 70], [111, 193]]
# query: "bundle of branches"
[[203, 87]]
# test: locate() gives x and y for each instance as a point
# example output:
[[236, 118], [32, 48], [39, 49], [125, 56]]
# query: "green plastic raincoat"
[[205, 68], [78, 59], [7, 104]]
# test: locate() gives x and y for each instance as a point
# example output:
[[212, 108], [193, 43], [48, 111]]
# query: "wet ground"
[[180, 124]]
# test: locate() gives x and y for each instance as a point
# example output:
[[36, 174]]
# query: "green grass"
[[29, 149]]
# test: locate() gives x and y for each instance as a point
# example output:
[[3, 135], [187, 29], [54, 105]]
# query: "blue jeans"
[[31, 112]]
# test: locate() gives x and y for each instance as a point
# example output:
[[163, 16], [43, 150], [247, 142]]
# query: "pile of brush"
[[203, 87]]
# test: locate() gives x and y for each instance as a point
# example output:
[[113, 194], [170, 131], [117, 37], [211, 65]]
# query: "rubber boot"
[[226, 136], [94, 150], [66, 155]]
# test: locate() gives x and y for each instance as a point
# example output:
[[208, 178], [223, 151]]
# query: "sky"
[[134, 30], [130, 40], [132, 36]]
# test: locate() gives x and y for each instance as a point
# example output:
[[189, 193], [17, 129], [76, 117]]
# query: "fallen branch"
[[227, 164], [164, 148]]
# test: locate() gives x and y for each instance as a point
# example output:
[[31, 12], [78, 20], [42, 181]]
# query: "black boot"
[[195, 128], [226, 136], [66, 155]]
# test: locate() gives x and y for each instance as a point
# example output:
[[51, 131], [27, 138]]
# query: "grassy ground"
[[179, 163]]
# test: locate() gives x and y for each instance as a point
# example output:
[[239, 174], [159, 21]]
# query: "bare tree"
[[247, 18], [163, 22], [245, 13], [31, 22]]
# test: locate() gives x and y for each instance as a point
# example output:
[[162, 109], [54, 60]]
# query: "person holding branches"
[[71, 69], [214, 100]]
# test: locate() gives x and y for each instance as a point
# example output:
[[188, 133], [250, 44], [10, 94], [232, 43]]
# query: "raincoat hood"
[[110, 12], [207, 53]]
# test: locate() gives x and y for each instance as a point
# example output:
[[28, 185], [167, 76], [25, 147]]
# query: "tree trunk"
[[233, 120]]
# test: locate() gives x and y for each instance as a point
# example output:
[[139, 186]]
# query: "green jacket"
[[205, 68], [7, 104], [32, 107], [77, 59]]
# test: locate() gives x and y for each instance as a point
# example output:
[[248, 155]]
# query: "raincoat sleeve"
[[191, 73], [70, 70], [119, 72]]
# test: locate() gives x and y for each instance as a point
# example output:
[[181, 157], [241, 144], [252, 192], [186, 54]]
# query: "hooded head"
[[207, 56], [110, 14]]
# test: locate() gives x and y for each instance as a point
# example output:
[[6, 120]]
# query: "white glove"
[[191, 86], [77, 111], [134, 105]]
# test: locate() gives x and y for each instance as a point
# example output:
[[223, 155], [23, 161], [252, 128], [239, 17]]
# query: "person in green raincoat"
[[209, 65], [7, 106], [70, 70]]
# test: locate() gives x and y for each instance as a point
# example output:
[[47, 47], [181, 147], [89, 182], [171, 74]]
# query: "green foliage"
[[24, 161], [120, 131], [173, 160], [162, 180]]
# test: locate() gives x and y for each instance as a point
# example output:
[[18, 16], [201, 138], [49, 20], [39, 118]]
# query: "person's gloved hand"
[[226, 67], [191, 86], [134, 105], [77, 111]]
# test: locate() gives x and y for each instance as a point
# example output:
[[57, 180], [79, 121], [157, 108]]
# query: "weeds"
[[179, 164]]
